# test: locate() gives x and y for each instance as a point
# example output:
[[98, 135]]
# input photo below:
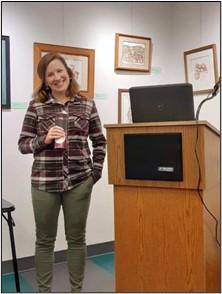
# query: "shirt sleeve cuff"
[[40, 143]]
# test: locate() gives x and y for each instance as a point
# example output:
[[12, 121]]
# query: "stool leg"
[[14, 259]]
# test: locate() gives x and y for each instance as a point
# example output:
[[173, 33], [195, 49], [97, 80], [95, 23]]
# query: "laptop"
[[173, 102]]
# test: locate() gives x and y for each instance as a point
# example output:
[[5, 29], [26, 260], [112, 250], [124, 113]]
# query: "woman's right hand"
[[54, 133]]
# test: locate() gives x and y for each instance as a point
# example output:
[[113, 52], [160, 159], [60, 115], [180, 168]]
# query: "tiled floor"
[[99, 277]]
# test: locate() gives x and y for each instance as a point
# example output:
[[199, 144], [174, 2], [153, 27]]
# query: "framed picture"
[[124, 108], [201, 68], [80, 60], [132, 53], [6, 96]]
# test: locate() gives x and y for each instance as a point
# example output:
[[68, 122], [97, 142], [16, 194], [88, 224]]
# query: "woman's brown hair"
[[41, 94]]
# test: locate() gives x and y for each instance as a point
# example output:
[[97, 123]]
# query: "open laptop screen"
[[173, 102]]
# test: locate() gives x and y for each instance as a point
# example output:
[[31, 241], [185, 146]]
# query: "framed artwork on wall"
[[132, 53], [6, 90], [124, 108], [201, 68], [80, 60]]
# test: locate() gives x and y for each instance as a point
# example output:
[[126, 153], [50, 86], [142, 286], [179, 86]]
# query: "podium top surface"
[[161, 124]]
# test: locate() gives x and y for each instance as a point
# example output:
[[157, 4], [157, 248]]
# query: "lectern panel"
[[153, 156], [168, 243]]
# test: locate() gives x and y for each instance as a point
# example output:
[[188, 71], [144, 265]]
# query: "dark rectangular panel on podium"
[[153, 156]]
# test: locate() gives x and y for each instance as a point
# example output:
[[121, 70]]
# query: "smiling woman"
[[57, 79], [61, 176], [52, 69]]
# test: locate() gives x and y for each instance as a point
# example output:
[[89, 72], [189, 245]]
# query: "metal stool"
[[8, 207]]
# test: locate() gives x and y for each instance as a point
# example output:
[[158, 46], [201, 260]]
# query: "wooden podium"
[[165, 240]]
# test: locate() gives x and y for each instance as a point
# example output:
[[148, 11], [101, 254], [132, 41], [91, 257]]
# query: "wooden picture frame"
[[80, 60], [201, 68], [124, 108], [132, 53], [6, 84]]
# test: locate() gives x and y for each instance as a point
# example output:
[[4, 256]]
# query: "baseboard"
[[27, 263]]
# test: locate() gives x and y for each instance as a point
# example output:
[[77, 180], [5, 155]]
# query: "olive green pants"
[[75, 205]]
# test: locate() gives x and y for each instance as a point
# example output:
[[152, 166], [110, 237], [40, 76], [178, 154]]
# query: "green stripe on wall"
[[19, 105]]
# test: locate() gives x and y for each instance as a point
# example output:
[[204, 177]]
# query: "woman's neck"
[[60, 97]]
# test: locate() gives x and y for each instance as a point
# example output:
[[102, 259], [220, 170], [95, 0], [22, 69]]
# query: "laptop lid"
[[173, 102]]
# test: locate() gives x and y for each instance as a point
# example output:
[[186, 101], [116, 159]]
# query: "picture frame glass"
[[4, 75], [124, 111], [80, 60], [201, 73], [132, 53], [6, 96], [201, 68]]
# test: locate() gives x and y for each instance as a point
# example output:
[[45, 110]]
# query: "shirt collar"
[[52, 100]]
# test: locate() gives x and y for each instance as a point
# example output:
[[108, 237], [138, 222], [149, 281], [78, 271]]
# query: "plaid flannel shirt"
[[57, 170]]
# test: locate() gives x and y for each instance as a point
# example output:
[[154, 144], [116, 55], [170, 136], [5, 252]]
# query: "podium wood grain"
[[164, 237], [160, 240]]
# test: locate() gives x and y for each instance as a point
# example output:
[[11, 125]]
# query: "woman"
[[61, 177]]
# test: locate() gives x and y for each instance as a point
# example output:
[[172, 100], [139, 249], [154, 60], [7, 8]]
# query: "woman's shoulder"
[[83, 99], [35, 105]]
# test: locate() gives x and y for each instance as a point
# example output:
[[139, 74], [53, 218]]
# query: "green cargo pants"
[[75, 204]]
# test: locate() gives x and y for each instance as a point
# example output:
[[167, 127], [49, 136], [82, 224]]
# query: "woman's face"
[[56, 77]]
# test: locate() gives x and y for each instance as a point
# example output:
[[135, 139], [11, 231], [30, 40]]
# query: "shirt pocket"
[[45, 122], [79, 124]]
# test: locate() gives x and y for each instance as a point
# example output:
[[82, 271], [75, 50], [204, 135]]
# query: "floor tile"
[[106, 261], [99, 277]]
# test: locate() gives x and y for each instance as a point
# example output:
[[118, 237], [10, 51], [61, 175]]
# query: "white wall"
[[25, 23], [92, 25], [196, 24]]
